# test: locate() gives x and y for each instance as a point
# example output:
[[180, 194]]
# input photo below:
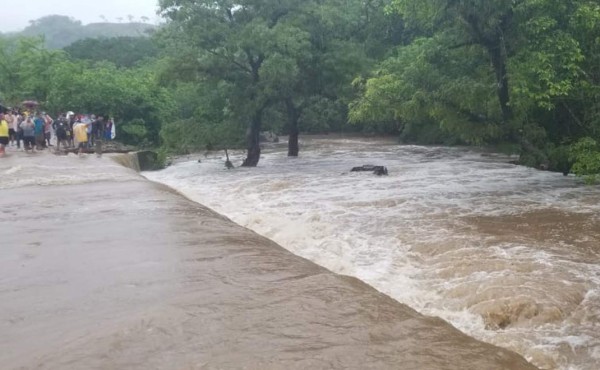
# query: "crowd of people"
[[36, 131]]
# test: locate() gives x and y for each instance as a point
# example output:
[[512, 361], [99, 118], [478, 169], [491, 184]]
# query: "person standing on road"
[[98, 132], [89, 120], [28, 130], [71, 118], [48, 121], [39, 123], [109, 129], [12, 127], [19, 119], [61, 128], [3, 134], [80, 131]]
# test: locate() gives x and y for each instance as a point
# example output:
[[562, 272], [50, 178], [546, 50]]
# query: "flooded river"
[[102, 269], [506, 254]]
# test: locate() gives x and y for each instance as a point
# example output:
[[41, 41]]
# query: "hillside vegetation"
[[60, 31]]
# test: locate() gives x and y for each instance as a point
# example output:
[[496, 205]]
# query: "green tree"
[[330, 49], [121, 51], [432, 94], [292, 60], [233, 42], [489, 25], [132, 96], [24, 69], [203, 120]]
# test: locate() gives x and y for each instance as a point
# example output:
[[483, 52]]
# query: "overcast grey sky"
[[16, 14]]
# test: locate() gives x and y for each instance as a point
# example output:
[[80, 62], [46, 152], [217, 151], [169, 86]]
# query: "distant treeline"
[[60, 31]]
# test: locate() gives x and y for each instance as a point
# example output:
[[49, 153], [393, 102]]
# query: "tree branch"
[[241, 66]]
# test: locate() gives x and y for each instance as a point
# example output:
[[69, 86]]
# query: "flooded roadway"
[[102, 269]]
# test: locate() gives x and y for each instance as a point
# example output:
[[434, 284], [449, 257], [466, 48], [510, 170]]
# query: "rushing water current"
[[507, 254]]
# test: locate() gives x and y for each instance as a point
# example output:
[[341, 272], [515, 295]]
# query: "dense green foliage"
[[523, 74], [121, 51], [586, 156]]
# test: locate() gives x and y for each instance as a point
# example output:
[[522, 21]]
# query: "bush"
[[134, 133], [586, 157], [187, 136]]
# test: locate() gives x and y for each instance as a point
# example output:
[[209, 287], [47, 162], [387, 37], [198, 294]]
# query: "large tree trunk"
[[293, 147], [253, 133], [499, 63], [495, 46], [253, 141], [293, 116]]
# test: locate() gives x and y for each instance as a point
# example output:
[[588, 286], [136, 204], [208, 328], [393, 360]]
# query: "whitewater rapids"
[[507, 254]]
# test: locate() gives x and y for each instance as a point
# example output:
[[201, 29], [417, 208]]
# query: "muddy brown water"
[[102, 269], [507, 254]]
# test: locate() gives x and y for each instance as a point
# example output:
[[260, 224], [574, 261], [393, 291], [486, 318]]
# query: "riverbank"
[[100, 268]]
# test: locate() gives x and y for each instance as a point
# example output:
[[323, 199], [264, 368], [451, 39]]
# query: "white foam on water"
[[12, 170], [415, 235]]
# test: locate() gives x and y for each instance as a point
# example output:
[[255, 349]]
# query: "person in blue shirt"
[[39, 122]]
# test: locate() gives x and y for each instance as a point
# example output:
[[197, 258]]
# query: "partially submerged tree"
[[291, 58], [233, 41]]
